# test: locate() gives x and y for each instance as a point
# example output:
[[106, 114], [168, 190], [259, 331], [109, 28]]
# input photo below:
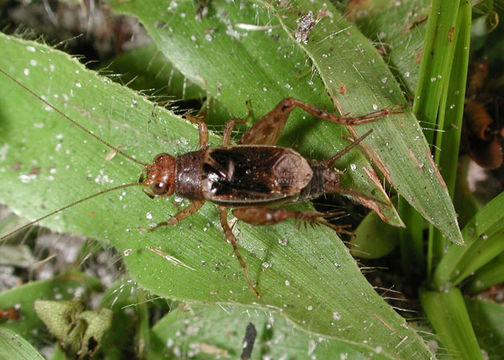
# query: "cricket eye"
[[160, 188], [161, 156]]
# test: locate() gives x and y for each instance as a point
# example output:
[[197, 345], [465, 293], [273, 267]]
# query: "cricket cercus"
[[249, 177]]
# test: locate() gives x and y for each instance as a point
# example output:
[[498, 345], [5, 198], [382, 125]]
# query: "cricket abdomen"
[[246, 175], [323, 181]]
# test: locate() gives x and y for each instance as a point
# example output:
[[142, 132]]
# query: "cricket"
[[253, 178]]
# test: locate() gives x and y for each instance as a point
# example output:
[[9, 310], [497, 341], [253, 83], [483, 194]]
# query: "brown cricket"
[[248, 177]]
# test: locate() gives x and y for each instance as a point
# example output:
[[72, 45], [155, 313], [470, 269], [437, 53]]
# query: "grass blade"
[[448, 315], [488, 275], [13, 347], [483, 236]]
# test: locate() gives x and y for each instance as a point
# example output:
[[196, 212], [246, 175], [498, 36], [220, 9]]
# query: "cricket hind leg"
[[267, 130], [264, 216], [231, 238], [178, 217], [367, 201]]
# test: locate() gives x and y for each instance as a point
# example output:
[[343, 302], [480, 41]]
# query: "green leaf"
[[304, 274], [398, 28], [490, 274], [486, 318], [373, 238], [451, 100], [146, 68], [235, 65], [435, 64], [13, 347], [448, 315], [206, 333], [484, 236]]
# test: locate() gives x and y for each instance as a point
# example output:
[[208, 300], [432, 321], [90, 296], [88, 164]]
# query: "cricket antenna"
[[329, 162], [66, 207], [72, 120]]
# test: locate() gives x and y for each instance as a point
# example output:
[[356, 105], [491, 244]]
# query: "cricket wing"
[[246, 175]]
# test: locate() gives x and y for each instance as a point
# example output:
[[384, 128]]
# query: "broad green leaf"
[[398, 29], [448, 315], [147, 70], [14, 347], [205, 332], [307, 275], [335, 59]]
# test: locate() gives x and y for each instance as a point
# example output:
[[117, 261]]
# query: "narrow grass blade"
[[448, 315], [488, 275], [484, 236], [15, 347], [435, 64], [486, 318], [453, 99], [451, 110]]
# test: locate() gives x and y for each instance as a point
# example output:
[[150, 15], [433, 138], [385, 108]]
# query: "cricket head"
[[159, 176]]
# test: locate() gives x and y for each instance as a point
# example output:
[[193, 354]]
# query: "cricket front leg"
[[268, 129], [228, 130], [231, 238], [178, 217], [265, 216], [203, 130]]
